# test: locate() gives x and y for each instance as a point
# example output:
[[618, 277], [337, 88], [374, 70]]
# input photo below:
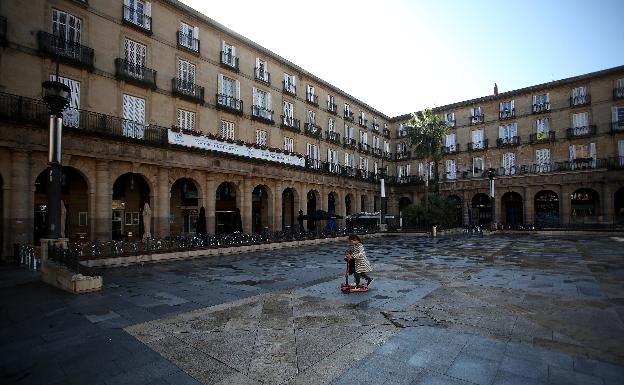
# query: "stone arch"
[[364, 203], [349, 204], [130, 193], [458, 203], [333, 202], [261, 208], [227, 213], [313, 199], [618, 206], [290, 203], [585, 205], [512, 208], [480, 212], [546, 206], [184, 204]]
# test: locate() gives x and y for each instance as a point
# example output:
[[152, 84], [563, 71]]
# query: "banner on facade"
[[205, 143]]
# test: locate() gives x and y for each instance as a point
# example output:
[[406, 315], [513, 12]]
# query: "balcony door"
[[71, 115], [134, 117], [67, 28], [186, 74], [136, 54], [477, 139]]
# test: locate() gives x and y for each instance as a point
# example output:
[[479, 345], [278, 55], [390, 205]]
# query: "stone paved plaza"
[[456, 310]]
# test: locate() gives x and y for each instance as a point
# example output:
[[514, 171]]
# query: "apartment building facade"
[[172, 110]]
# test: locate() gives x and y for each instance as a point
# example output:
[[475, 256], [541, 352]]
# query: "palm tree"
[[426, 132]]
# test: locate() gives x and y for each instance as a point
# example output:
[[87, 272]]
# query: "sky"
[[400, 56]]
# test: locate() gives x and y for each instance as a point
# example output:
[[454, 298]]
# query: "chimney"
[[495, 89]]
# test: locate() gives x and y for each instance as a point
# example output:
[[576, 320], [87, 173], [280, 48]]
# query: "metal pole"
[[53, 198]]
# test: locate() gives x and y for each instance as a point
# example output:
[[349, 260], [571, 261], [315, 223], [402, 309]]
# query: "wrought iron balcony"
[[376, 127], [135, 73], [289, 88], [332, 136], [477, 146], [377, 152], [314, 164], [67, 51], [137, 19], [387, 155], [332, 108], [363, 122], [508, 142], [579, 101], [229, 103], [348, 115], [507, 114], [540, 108], [187, 42], [263, 75], [262, 114], [617, 126], [312, 130], [453, 149], [542, 137], [402, 155], [290, 124], [349, 143], [407, 180], [581, 132], [349, 171], [229, 61], [332, 168], [187, 90], [618, 93], [386, 133], [3, 31], [364, 148], [312, 99], [477, 119]]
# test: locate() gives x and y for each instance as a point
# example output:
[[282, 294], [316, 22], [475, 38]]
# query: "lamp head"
[[56, 96], [491, 173]]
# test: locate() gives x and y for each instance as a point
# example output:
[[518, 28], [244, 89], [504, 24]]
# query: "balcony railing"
[[290, 124], [364, 148], [363, 122], [477, 119], [312, 163], [618, 93], [137, 19], [262, 114], [67, 51], [332, 136], [540, 108], [508, 142], [229, 103], [507, 113], [477, 146], [263, 75], [453, 149], [387, 155], [229, 61], [312, 99], [386, 133], [332, 108], [542, 137], [581, 132], [617, 126], [3, 31], [348, 115], [21, 110], [135, 73], [376, 151], [289, 88], [578, 101], [312, 130], [188, 42], [406, 180], [187, 90], [349, 143], [403, 155]]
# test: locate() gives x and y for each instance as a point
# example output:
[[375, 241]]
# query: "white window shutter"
[[534, 99], [233, 54], [592, 151], [621, 149], [572, 153], [294, 79], [147, 9], [127, 3], [238, 90], [269, 102], [501, 132], [196, 32], [254, 90], [257, 62], [514, 130], [614, 114], [513, 104], [220, 84], [223, 45]]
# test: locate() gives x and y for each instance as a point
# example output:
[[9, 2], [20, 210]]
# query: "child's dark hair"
[[354, 237]]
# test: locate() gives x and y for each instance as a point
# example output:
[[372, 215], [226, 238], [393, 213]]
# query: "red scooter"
[[346, 288]]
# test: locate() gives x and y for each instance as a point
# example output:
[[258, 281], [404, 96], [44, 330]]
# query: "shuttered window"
[[186, 119], [261, 137], [289, 144], [509, 162], [227, 130], [477, 166], [451, 171]]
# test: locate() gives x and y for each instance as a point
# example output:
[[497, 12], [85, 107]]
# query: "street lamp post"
[[490, 174], [382, 196], [56, 96]]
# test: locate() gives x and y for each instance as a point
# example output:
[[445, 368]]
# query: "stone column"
[[6, 223], [277, 207], [357, 207], [565, 204], [20, 222], [529, 208], [103, 210], [324, 203], [210, 204], [607, 203], [162, 210], [246, 207], [92, 201]]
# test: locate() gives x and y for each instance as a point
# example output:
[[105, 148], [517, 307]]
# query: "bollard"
[[434, 231]]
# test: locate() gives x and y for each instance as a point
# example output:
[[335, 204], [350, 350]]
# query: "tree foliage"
[[426, 132], [441, 212]]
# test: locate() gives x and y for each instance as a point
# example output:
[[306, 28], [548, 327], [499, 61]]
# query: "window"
[[362, 119], [348, 160], [403, 171], [542, 159], [134, 117], [580, 96], [228, 55], [135, 57], [132, 218], [261, 137], [311, 118], [186, 73], [67, 28], [186, 120], [189, 36], [450, 142], [262, 104], [386, 147], [331, 125], [451, 171], [364, 164], [310, 95], [227, 130], [542, 128], [262, 70], [332, 159], [506, 109], [475, 115], [138, 12], [402, 130], [290, 84], [289, 144], [619, 89], [347, 112], [541, 102], [621, 151], [477, 139], [477, 166], [583, 155], [580, 123], [401, 149], [71, 115], [375, 142], [313, 153], [507, 132], [331, 106], [617, 118], [348, 132], [509, 160], [289, 114], [364, 137], [82, 219], [449, 118], [229, 93]]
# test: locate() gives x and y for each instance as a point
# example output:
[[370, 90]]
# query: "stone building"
[[172, 109]]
